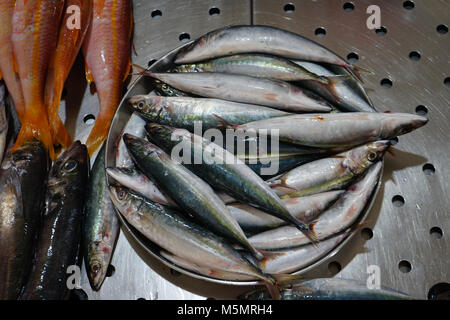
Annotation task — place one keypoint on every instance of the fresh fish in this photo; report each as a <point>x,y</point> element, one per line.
<point>256,65</point>
<point>8,64</point>
<point>338,129</point>
<point>163,89</point>
<point>107,50</point>
<point>223,170</point>
<point>206,271</point>
<point>22,190</point>
<point>338,217</point>
<point>258,39</point>
<point>181,237</point>
<point>292,260</point>
<point>68,45</point>
<point>185,112</point>
<point>136,127</point>
<point>35,25</point>
<point>3,121</point>
<point>331,289</point>
<point>303,208</point>
<point>197,198</point>
<point>60,232</point>
<point>242,88</point>
<point>347,94</point>
<point>100,226</point>
<point>335,172</point>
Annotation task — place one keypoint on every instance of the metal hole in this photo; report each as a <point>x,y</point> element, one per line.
<point>184,37</point>
<point>289,8</point>
<point>440,291</point>
<point>447,81</point>
<point>442,29</point>
<point>348,6</point>
<point>408,5</point>
<point>352,57</point>
<point>398,201</point>
<point>386,82</point>
<point>421,110</point>
<point>436,232</point>
<point>334,267</point>
<point>151,62</point>
<point>428,169</point>
<point>89,119</point>
<point>320,32</point>
<point>214,11</point>
<point>156,14</point>
<point>381,31</point>
<point>111,270</point>
<point>405,266</point>
<point>414,55</point>
<point>367,233</point>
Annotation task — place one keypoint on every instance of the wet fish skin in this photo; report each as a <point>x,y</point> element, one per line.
<point>340,216</point>
<point>335,172</point>
<point>107,52</point>
<point>100,226</point>
<point>256,65</point>
<point>242,88</point>
<point>68,45</point>
<point>330,130</point>
<point>223,170</point>
<point>60,231</point>
<point>303,208</point>
<point>183,112</point>
<point>180,236</point>
<point>197,198</point>
<point>21,204</point>
<point>7,61</point>
<point>331,289</point>
<point>3,121</point>
<point>257,39</point>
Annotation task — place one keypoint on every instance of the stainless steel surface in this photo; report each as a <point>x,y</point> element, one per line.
<point>399,233</point>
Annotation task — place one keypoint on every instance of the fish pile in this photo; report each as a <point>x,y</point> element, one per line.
<point>195,178</point>
<point>44,174</point>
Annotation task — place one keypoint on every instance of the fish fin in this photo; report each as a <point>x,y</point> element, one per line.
<point>332,80</point>
<point>127,71</point>
<point>224,123</point>
<point>89,76</point>
<point>308,231</point>
<point>284,279</point>
<point>391,151</point>
<point>282,185</point>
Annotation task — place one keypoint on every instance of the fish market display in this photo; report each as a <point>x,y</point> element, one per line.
<point>60,232</point>
<point>100,226</point>
<point>68,45</point>
<point>20,213</point>
<point>107,51</point>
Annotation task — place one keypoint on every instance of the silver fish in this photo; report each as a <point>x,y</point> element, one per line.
<point>241,88</point>
<point>338,217</point>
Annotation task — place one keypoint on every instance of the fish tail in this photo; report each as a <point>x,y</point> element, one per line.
<point>308,231</point>
<point>60,133</point>
<point>100,130</point>
<point>272,287</point>
<point>53,99</point>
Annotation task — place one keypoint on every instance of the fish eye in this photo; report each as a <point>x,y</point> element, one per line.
<point>140,105</point>
<point>121,194</point>
<point>70,165</point>
<point>96,267</point>
<point>372,156</point>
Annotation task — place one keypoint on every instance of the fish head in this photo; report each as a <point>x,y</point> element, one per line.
<point>166,133</point>
<point>121,198</point>
<point>365,156</point>
<point>124,176</point>
<point>97,263</point>
<point>187,68</point>
<point>396,124</point>
<point>139,145</point>
<point>151,106</point>
<point>166,90</point>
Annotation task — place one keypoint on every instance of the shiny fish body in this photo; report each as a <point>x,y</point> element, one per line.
<point>335,172</point>
<point>197,198</point>
<point>338,217</point>
<point>331,289</point>
<point>183,112</point>
<point>163,89</point>
<point>241,88</point>
<point>256,65</point>
<point>222,170</point>
<point>60,233</point>
<point>100,226</point>
<point>346,94</point>
<point>292,260</point>
<point>329,130</point>
<point>257,39</point>
<point>3,121</point>
<point>303,208</point>
<point>23,176</point>
<point>181,237</point>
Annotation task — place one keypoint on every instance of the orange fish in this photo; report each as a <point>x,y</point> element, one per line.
<point>8,66</point>
<point>35,26</point>
<point>77,15</point>
<point>107,51</point>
